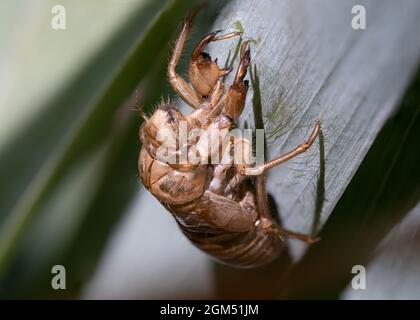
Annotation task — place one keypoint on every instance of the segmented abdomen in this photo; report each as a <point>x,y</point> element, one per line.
<point>252,248</point>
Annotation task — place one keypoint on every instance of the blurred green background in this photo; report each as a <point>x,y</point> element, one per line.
<point>69,140</point>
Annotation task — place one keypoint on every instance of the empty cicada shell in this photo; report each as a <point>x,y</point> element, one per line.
<point>217,205</point>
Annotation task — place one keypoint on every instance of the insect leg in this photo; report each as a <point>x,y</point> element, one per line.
<point>234,100</point>
<point>264,212</point>
<point>233,185</point>
<point>180,86</point>
<point>245,59</point>
<point>198,50</point>
<point>218,182</point>
<point>255,171</point>
<point>203,71</point>
<point>261,196</point>
<point>227,214</point>
<point>295,235</point>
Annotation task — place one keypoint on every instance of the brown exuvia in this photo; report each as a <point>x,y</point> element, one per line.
<point>222,208</point>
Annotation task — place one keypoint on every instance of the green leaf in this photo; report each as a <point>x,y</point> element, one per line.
<point>87,140</point>
<point>382,193</point>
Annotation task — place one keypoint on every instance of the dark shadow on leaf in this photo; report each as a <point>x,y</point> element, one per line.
<point>320,186</point>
